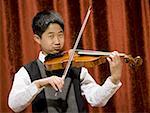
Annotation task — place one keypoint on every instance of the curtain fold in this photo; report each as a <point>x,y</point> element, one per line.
<point>122,25</point>
<point>146,35</point>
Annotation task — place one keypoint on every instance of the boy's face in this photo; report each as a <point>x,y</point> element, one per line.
<point>52,40</point>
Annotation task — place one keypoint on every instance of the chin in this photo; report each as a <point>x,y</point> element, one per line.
<point>54,52</point>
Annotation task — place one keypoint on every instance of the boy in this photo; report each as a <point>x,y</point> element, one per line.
<point>32,84</point>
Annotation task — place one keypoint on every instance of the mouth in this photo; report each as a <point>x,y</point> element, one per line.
<point>57,48</point>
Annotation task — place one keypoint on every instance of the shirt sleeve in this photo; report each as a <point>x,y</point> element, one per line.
<point>95,94</point>
<point>23,91</point>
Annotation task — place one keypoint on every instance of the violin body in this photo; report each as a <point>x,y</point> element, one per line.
<point>78,61</point>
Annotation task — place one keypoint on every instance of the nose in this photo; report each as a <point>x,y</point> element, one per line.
<point>57,41</point>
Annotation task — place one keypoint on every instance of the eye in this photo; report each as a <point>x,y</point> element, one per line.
<point>51,36</point>
<point>60,35</point>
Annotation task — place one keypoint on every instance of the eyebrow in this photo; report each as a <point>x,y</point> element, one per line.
<point>53,32</point>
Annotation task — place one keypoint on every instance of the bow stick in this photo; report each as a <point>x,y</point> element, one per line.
<point>76,43</point>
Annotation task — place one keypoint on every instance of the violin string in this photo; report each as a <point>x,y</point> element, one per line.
<point>91,52</point>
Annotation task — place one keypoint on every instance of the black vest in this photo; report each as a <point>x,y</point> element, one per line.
<point>39,104</point>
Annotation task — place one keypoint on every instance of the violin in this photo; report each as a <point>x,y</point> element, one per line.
<point>78,59</point>
<point>84,58</point>
<point>88,59</point>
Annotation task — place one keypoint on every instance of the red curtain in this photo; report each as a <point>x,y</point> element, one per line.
<point>122,25</point>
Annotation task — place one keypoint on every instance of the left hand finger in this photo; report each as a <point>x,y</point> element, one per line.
<point>115,57</point>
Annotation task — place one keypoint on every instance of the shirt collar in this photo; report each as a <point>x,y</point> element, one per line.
<point>42,57</point>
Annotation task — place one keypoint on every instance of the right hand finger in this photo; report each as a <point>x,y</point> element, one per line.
<point>57,83</point>
<point>54,86</point>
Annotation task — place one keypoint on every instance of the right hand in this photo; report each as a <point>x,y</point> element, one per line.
<point>56,82</point>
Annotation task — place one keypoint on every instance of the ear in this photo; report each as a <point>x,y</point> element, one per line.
<point>37,38</point>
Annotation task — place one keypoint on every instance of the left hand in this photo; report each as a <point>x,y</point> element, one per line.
<point>115,67</point>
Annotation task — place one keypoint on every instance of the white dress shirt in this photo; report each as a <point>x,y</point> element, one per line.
<point>24,91</point>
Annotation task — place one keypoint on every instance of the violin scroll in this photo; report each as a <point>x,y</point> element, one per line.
<point>133,62</point>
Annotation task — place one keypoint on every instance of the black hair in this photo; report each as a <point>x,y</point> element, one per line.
<point>42,20</point>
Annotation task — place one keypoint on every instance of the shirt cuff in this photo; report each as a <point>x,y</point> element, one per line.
<point>33,90</point>
<point>110,83</point>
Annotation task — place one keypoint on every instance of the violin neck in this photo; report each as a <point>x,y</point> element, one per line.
<point>96,53</point>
